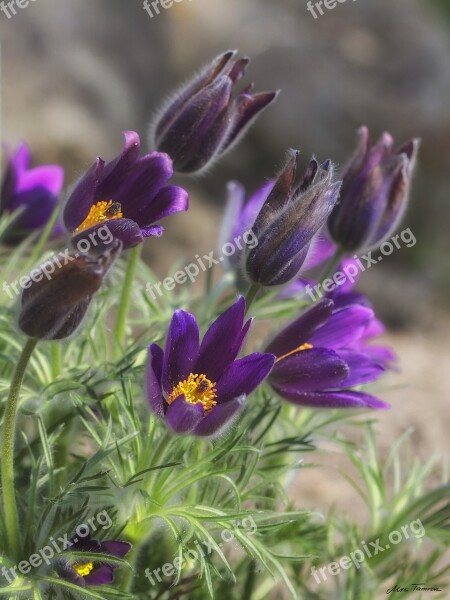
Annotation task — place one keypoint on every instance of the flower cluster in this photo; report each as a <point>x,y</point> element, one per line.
<point>322,357</point>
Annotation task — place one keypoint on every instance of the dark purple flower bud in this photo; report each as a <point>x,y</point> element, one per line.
<point>58,293</point>
<point>374,193</point>
<point>202,120</point>
<point>199,388</point>
<point>90,572</point>
<point>289,220</point>
<point>321,356</point>
<point>32,194</point>
<point>129,195</point>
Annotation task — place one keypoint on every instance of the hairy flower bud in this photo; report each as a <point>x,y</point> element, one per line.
<point>202,120</point>
<point>289,220</point>
<point>58,294</point>
<point>374,193</point>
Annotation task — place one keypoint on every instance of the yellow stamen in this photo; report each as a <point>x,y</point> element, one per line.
<point>83,569</point>
<point>299,349</point>
<point>102,211</point>
<point>196,388</point>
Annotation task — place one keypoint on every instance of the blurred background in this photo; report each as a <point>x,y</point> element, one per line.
<point>75,74</point>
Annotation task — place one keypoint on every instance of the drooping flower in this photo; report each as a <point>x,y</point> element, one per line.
<point>288,222</point>
<point>129,195</point>
<point>31,193</point>
<point>199,388</point>
<point>90,572</point>
<point>317,362</point>
<point>374,193</point>
<point>202,120</point>
<point>57,295</point>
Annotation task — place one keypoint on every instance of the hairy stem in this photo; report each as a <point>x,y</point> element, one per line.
<point>125,299</point>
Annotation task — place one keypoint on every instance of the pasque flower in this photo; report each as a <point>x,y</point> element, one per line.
<point>90,572</point>
<point>202,120</point>
<point>374,193</point>
<point>31,193</point>
<point>199,388</point>
<point>289,220</point>
<point>317,361</point>
<point>129,195</point>
<point>57,295</point>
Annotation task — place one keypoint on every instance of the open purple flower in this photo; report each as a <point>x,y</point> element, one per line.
<point>90,572</point>
<point>31,193</point>
<point>199,388</point>
<point>129,195</point>
<point>374,193</point>
<point>289,220</point>
<point>317,363</point>
<point>202,120</point>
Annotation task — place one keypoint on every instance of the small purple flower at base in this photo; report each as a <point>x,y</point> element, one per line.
<point>200,388</point>
<point>202,120</point>
<point>317,364</point>
<point>289,221</point>
<point>374,193</point>
<point>32,193</point>
<point>129,195</point>
<point>90,572</point>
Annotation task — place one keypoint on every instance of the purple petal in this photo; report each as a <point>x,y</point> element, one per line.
<point>245,109</point>
<point>66,572</point>
<point>154,376</point>
<point>82,197</point>
<point>170,200</point>
<point>309,370</point>
<point>181,349</point>
<point>342,399</point>
<point>125,230</point>
<point>220,417</point>
<point>244,376</point>
<point>117,171</point>
<point>100,576</point>
<point>342,328</point>
<point>300,331</point>
<point>49,177</point>
<point>183,417</point>
<point>321,250</point>
<point>155,231</point>
<point>21,159</point>
<point>363,369</point>
<point>222,342</point>
<point>119,549</point>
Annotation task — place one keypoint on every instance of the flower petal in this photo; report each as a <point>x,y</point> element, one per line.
<point>119,549</point>
<point>181,349</point>
<point>220,417</point>
<point>170,200</point>
<point>363,369</point>
<point>343,327</point>
<point>82,197</point>
<point>48,177</point>
<point>100,576</point>
<point>183,417</point>
<point>125,230</point>
<point>221,342</point>
<point>117,171</point>
<point>309,371</point>
<point>244,376</point>
<point>154,376</point>
<point>300,330</point>
<point>339,399</point>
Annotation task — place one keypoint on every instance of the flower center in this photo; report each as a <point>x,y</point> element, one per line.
<point>196,388</point>
<point>102,211</point>
<point>299,349</point>
<point>83,569</point>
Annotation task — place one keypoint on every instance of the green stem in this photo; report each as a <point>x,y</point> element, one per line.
<point>55,356</point>
<point>7,452</point>
<point>125,299</point>
<point>251,295</point>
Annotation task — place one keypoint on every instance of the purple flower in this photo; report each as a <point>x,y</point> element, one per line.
<point>288,222</point>
<point>129,195</point>
<point>198,388</point>
<point>90,572</point>
<point>202,120</point>
<point>317,361</point>
<point>374,193</point>
<point>32,193</point>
